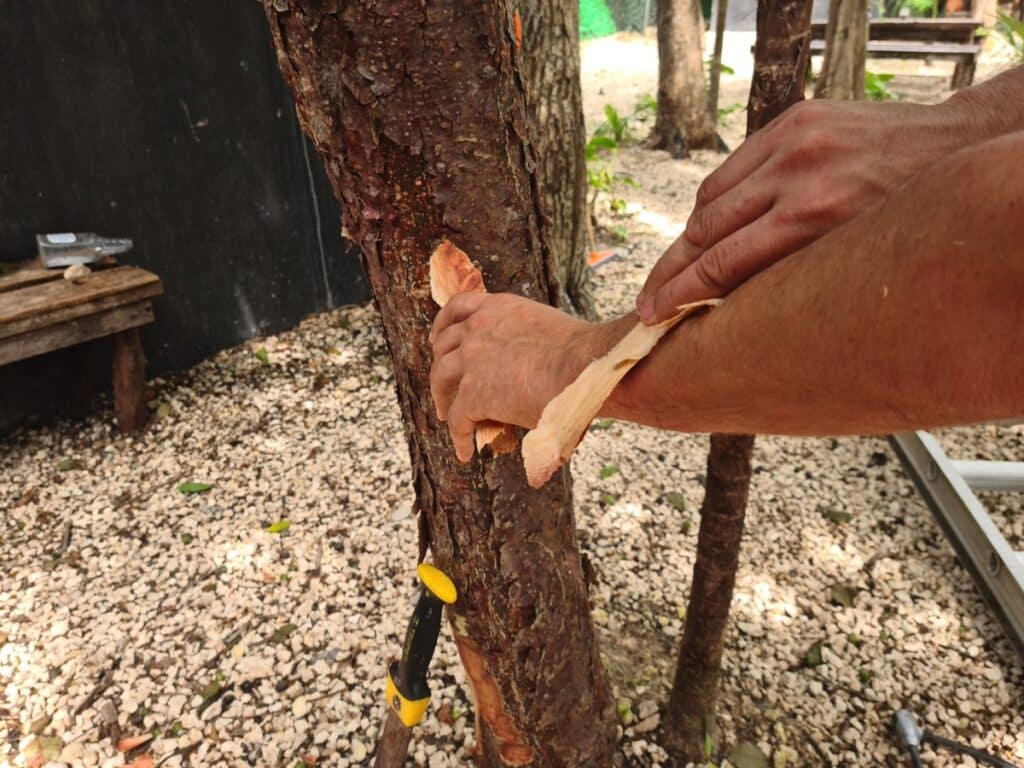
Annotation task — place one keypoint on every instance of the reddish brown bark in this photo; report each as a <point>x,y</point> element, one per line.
<point>780,64</point>
<point>419,113</point>
<point>683,121</point>
<point>551,62</point>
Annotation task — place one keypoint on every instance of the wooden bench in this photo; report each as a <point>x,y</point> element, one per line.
<point>40,312</point>
<point>954,38</point>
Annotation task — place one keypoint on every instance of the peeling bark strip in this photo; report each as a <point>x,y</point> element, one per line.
<point>419,113</point>
<point>780,64</point>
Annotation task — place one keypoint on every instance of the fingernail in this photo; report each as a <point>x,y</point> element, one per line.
<point>646,310</point>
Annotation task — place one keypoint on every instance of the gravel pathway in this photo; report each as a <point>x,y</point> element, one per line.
<point>128,606</point>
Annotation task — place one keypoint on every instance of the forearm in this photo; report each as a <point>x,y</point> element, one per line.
<point>990,109</point>
<point>911,315</point>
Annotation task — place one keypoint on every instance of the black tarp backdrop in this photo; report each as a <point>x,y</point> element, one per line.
<point>167,123</point>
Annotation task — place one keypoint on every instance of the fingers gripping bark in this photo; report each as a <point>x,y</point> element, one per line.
<point>452,273</point>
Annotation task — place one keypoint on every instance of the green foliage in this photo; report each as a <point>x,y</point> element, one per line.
<point>191,488</point>
<point>876,87</point>
<point>614,125</point>
<point>724,112</point>
<point>598,143</point>
<point>608,470</point>
<point>279,527</point>
<point>1012,30</point>
<point>927,8</point>
<point>724,68</point>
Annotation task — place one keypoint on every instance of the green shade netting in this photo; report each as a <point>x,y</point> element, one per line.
<point>595,19</point>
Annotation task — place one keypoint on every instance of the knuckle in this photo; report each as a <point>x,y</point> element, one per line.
<point>701,225</point>
<point>714,270</point>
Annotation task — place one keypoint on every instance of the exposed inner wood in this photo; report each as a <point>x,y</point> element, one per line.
<point>565,419</point>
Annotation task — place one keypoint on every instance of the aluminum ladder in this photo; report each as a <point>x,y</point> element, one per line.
<point>948,487</point>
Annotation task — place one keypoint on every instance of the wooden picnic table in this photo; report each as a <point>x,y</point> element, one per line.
<point>40,312</point>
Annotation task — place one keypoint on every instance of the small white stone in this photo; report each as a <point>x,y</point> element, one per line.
<point>300,707</point>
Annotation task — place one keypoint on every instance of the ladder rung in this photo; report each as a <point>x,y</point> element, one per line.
<point>992,475</point>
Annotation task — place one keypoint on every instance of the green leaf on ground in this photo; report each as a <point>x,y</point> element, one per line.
<point>865,675</point>
<point>193,487</point>
<point>625,712</point>
<point>66,465</point>
<point>262,356</point>
<point>854,640</point>
<point>813,656</point>
<point>187,538</point>
<point>838,517</point>
<point>283,633</point>
<point>177,729</point>
<point>708,746</point>
<point>608,470</point>
<point>747,755</point>
<point>603,424</point>
<point>280,526</point>
<point>210,690</point>
<point>609,499</point>
<point>676,500</point>
<point>842,594</point>
<point>686,527</point>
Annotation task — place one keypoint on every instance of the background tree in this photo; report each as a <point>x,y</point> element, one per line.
<point>715,75</point>
<point>846,49</point>
<point>419,113</point>
<point>684,121</point>
<point>551,63</point>
<point>780,64</point>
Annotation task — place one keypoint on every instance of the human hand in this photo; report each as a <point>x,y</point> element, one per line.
<point>501,357</point>
<point>811,169</point>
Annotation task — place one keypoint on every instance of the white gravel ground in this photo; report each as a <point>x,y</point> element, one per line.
<point>182,616</point>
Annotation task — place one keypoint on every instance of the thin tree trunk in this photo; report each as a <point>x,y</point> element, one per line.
<point>419,113</point>
<point>551,63</point>
<point>683,121</point>
<point>846,49</point>
<point>716,58</point>
<point>780,65</point>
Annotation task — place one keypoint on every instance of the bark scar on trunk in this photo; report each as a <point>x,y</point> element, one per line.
<point>489,704</point>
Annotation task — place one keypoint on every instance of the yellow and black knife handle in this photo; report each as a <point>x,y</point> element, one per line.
<point>406,690</point>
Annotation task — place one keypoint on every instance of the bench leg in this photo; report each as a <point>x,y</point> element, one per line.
<point>963,75</point>
<point>129,382</point>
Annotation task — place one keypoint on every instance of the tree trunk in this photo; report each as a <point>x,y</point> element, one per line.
<point>551,63</point>
<point>716,58</point>
<point>419,113</point>
<point>846,49</point>
<point>683,121</point>
<point>780,65</point>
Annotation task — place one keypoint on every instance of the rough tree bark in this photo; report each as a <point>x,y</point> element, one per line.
<point>780,65</point>
<point>683,121</point>
<point>551,63</point>
<point>846,50</point>
<point>715,76</point>
<point>419,114</point>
